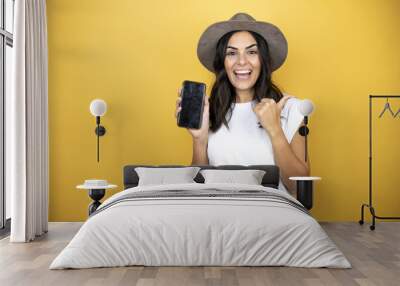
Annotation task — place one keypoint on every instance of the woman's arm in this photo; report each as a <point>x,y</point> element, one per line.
<point>200,136</point>
<point>290,158</point>
<point>199,152</point>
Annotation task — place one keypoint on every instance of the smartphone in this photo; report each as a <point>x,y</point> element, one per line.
<point>192,104</point>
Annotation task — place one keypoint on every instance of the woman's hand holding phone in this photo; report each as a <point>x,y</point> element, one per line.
<point>200,135</point>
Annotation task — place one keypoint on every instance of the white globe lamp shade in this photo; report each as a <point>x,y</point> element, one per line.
<point>98,107</point>
<point>306,107</point>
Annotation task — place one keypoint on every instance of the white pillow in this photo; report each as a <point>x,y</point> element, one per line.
<point>162,176</point>
<point>248,177</point>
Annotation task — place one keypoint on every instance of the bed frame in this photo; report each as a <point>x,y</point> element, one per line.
<point>270,179</point>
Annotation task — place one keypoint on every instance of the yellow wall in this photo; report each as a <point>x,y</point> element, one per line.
<point>135,54</point>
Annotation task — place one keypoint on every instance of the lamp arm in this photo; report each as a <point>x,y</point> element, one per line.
<point>98,145</point>
<point>303,130</point>
<point>306,148</point>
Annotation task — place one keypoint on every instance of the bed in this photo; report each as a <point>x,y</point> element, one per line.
<point>201,224</point>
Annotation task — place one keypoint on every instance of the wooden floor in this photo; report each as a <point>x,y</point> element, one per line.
<point>375,256</point>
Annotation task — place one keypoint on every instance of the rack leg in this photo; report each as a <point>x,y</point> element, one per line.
<point>361,221</point>
<point>374,216</point>
<point>372,227</point>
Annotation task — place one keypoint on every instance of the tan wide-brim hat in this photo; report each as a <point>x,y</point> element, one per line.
<point>206,48</point>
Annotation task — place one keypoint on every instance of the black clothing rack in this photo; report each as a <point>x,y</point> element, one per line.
<point>370,206</point>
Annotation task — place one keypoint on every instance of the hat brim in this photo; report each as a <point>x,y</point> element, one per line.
<point>206,48</point>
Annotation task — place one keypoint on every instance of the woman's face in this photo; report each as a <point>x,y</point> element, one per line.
<point>242,61</point>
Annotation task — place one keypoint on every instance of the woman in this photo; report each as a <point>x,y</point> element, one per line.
<point>248,120</point>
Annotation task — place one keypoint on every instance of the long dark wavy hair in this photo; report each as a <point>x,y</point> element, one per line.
<point>223,92</point>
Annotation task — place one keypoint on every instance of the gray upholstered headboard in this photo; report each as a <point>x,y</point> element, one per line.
<point>270,179</point>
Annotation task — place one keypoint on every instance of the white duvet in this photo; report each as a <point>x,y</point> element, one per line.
<point>200,231</point>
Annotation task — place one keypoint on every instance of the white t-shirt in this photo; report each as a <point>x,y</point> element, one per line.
<point>247,144</point>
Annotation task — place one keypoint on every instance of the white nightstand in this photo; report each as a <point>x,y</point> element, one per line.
<point>304,187</point>
<point>97,190</point>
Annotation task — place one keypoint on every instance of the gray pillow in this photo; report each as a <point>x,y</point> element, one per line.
<point>248,177</point>
<point>162,176</point>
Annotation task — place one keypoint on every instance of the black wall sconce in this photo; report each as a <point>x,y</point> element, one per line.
<point>304,185</point>
<point>98,108</point>
<point>305,107</point>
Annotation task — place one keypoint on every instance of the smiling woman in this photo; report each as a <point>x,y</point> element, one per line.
<point>243,72</point>
<point>248,120</point>
<point>242,64</point>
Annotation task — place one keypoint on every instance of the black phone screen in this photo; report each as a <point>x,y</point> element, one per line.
<point>192,104</point>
